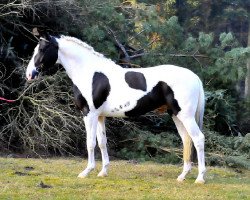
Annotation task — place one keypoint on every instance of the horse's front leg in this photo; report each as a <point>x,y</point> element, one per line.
<point>102,142</point>
<point>90,126</point>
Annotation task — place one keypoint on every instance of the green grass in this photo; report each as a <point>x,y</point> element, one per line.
<point>21,178</point>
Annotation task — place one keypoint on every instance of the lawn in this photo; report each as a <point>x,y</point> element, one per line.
<point>57,179</point>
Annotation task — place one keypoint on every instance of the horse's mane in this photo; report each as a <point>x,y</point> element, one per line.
<point>84,45</point>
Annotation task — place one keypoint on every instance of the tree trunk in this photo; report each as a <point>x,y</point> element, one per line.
<point>247,80</point>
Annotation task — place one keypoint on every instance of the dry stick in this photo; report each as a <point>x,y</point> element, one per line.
<point>119,44</point>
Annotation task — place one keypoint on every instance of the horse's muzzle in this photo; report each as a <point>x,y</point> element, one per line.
<point>32,75</point>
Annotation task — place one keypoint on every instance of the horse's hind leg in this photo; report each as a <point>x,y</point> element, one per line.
<point>198,140</point>
<point>187,145</point>
<point>102,142</point>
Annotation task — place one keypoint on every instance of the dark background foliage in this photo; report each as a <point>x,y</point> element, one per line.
<point>210,37</point>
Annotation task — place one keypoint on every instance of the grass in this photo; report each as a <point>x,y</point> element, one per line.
<point>21,179</point>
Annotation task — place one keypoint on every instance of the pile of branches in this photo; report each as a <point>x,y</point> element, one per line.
<point>43,119</point>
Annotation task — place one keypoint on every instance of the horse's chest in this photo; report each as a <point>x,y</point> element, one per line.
<point>80,101</point>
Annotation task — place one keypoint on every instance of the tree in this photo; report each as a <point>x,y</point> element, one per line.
<point>247,80</point>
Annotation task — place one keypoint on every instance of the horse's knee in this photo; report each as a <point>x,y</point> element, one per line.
<point>102,145</point>
<point>91,146</point>
<point>102,141</point>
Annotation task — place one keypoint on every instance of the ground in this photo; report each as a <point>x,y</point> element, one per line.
<point>25,178</point>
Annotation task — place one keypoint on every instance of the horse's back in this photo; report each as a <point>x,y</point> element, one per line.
<point>170,73</point>
<point>182,81</point>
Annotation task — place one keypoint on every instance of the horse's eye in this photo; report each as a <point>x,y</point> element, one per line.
<point>39,68</point>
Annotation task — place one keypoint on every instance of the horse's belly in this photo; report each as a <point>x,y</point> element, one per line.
<point>133,108</point>
<point>118,109</point>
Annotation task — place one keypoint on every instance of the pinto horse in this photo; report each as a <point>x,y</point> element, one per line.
<point>104,89</point>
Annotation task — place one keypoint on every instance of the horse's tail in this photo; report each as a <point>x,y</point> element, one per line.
<point>200,106</point>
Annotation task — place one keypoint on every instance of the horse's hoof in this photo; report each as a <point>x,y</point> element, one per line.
<point>199,181</point>
<point>82,175</point>
<point>180,179</point>
<point>102,174</point>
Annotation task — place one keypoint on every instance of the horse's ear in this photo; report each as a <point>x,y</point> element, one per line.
<point>35,32</point>
<point>40,33</point>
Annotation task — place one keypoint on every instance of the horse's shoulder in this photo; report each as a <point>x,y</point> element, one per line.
<point>100,88</point>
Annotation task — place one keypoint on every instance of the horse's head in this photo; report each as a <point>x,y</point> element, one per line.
<point>44,57</point>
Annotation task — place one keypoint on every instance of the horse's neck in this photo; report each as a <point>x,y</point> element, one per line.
<point>81,62</point>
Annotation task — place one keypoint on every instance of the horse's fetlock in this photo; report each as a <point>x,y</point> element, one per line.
<point>106,164</point>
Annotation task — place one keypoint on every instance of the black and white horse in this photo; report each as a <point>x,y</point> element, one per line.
<point>105,89</point>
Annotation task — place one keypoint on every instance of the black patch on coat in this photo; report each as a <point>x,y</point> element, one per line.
<point>136,80</point>
<point>160,95</point>
<point>100,89</point>
<point>47,54</point>
<point>80,101</point>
